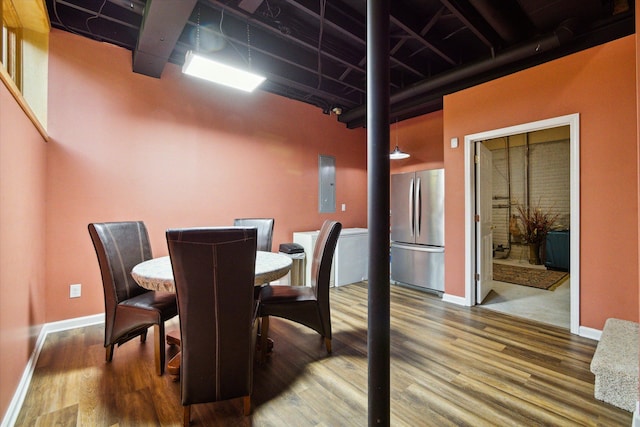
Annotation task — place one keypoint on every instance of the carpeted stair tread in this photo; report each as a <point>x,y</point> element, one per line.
<point>615,364</point>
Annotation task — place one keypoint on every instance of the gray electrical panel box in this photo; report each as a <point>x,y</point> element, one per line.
<point>327,184</point>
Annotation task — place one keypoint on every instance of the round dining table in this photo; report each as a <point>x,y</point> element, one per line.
<point>156,274</point>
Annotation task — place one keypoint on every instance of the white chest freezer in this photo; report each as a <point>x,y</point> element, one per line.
<point>350,261</point>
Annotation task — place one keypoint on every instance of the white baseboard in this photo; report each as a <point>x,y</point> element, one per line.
<point>585,332</point>
<point>636,416</point>
<point>13,410</point>
<point>454,299</point>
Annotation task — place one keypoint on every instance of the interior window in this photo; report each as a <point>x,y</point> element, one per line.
<point>11,44</point>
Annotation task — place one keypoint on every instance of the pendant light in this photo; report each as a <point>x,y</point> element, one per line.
<point>398,154</point>
<point>200,66</point>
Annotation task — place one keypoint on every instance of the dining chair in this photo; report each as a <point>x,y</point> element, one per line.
<point>307,305</point>
<point>129,308</point>
<point>265,230</point>
<point>214,271</point>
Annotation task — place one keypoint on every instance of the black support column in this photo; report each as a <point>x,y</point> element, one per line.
<point>378,209</point>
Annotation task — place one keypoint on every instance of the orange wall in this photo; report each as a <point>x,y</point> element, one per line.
<point>600,85</point>
<point>22,249</point>
<point>176,152</point>
<point>421,137</point>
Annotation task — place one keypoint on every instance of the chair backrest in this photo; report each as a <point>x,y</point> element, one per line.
<point>214,271</point>
<point>119,247</point>
<point>323,252</point>
<point>265,230</point>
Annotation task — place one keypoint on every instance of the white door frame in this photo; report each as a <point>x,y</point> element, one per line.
<point>573,121</point>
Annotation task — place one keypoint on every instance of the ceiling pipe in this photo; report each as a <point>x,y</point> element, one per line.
<point>428,86</point>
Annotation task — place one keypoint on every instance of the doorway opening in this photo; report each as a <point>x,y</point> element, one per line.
<point>483,248</point>
<point>530,196</point>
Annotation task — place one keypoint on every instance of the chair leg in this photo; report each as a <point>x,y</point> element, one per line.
<point>173,340</point>
<point>109,353</point>
<point>158,331</point>
<point>143,337</point>
<point>264,335</point>
<point>186,416</point>
<point>327,343</point>
<point>247,405</point>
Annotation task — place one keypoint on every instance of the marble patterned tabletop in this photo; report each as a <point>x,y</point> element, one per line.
<point>156,274</point>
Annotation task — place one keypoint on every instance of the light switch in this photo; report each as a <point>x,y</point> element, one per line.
<point>454,142</point>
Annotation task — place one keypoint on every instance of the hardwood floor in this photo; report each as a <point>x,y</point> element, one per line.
<point>450,366</point>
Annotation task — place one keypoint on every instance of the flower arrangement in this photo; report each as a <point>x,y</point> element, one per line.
<point>536,223</point>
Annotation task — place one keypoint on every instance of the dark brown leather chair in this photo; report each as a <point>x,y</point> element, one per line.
<point>129,308</point>
<point>307,305</point>
<point>265,230</point>
<point>214,272</point>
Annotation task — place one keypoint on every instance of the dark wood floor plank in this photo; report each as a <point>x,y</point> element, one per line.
<point>450,366</point>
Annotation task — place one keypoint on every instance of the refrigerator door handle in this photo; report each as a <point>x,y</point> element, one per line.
<point>419,248</point>
<point>418,206</point>
<point>411,213</point>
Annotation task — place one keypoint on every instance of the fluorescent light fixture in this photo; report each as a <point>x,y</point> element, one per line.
<point>397,154</point>
<point>198,66</point>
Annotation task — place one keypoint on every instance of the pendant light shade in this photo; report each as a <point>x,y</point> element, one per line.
<point>198,66</point>
<point>398,154</point>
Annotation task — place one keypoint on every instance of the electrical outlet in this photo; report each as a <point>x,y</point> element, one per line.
<point>344,207</point>
<point>75,290</point>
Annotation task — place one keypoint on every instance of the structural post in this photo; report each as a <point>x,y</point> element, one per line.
<point>378,209</point>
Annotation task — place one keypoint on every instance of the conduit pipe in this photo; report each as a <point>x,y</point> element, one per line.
<point>428,86</point>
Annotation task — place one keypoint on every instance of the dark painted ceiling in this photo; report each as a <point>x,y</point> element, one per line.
<point>314,51</point>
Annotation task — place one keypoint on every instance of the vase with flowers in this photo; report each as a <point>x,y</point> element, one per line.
<point>536,223</point>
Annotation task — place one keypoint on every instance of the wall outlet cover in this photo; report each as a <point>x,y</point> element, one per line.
<point>75,291</point>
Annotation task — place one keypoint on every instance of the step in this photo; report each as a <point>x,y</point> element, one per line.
<point>615,364</point>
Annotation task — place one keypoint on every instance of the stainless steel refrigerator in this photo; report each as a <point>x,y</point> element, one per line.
<point>417,229</point>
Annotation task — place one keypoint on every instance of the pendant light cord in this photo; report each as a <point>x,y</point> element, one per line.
<point>198,31</point>
<point>249,45</point>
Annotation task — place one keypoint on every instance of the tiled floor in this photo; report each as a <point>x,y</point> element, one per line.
<point>552,307</point>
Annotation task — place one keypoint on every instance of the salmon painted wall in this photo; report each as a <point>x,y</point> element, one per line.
<point>422,138</point>
<point>22,237</point>
<point>176,152</point>
<point>599,84</point>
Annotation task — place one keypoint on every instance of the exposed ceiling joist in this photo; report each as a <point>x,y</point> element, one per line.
<point>315,51</point>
